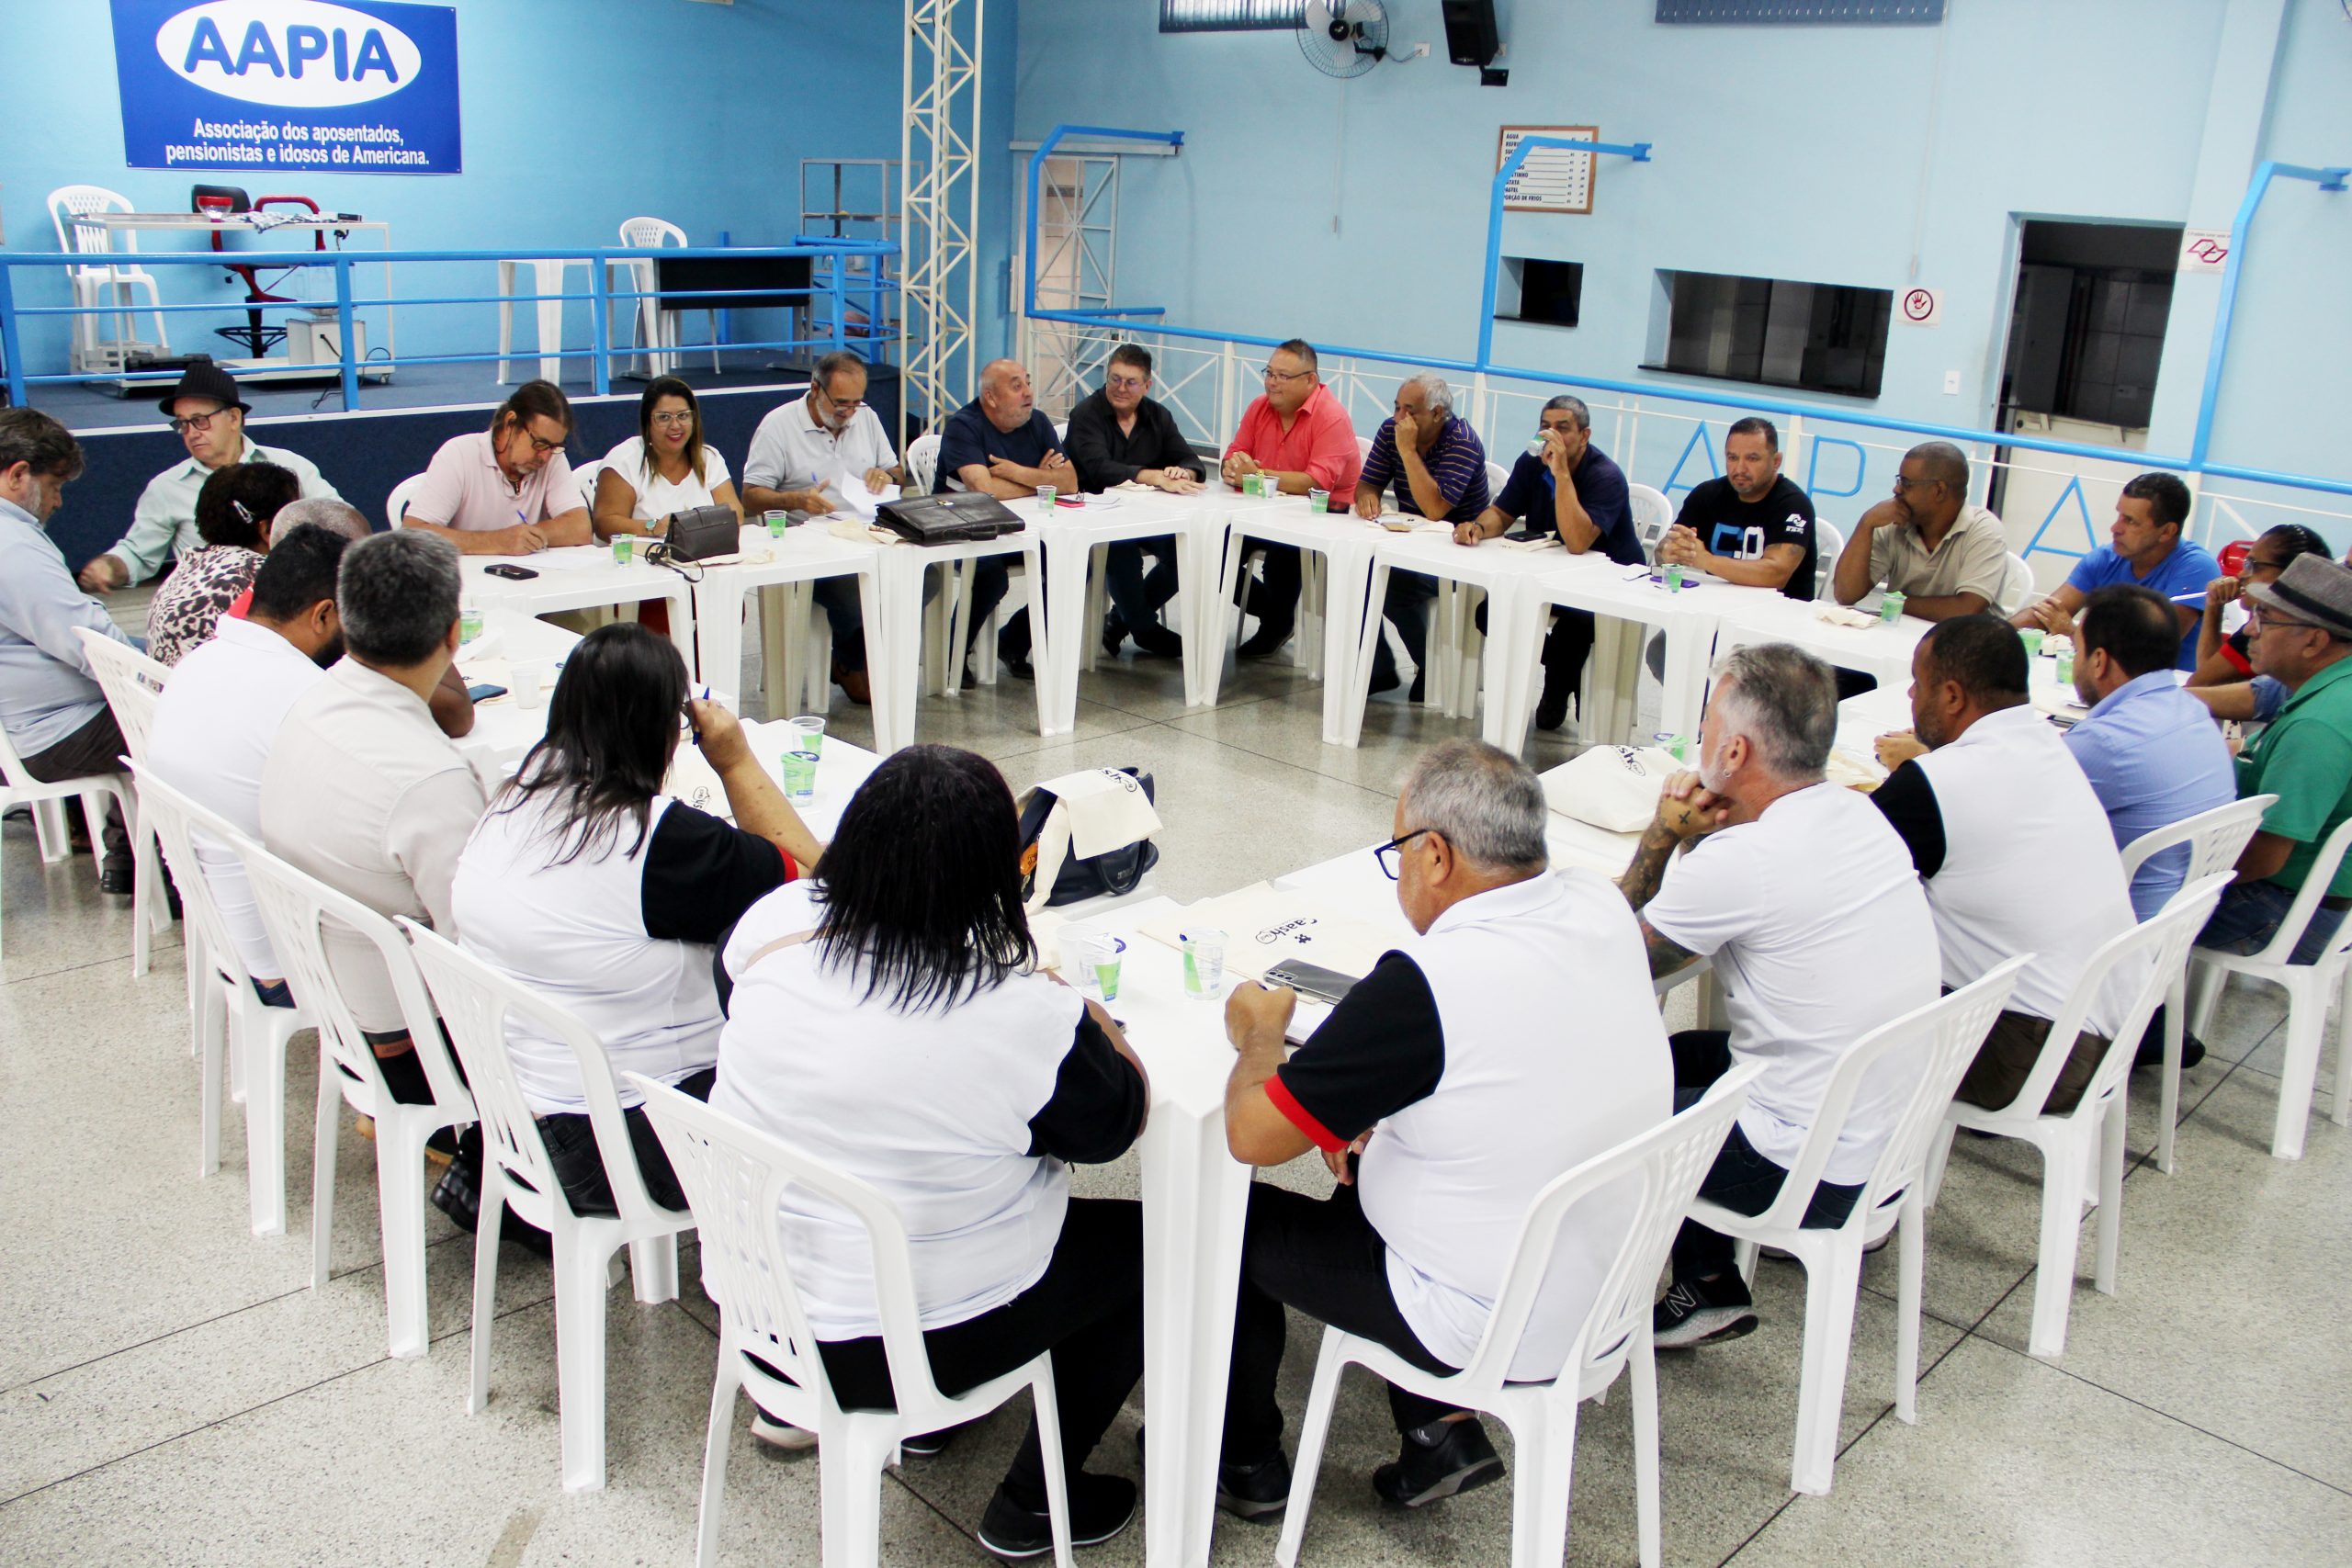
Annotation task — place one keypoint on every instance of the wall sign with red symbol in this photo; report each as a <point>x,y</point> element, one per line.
<point>1921,307</point>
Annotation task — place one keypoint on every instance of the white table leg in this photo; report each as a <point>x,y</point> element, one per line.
<point>1196,1199</point>
<point>891,598</point>
<point>550,320</point>
<point>1063,637</point>
<point>1501,674</point>
<point>717,657</point>
<point>1348,641</point>
<point>506,316</point>
<point>1686,675</point>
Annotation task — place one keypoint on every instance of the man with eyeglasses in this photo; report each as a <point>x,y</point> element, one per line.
<point>1296,432</point>
<point>2225,680</point>
<point>507,491</point>
<point>1512,1038</point>
<point>209,416</point>
<point>1120,435</point>
<point>1946,556</point>
<point>801,456</point>
<point>2302,635</point>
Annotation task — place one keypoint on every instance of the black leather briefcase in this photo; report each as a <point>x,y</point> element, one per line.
<point>952,518</point>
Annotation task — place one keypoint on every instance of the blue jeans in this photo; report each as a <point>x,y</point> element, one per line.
<point>273,993</point>
<point>2249,917</point>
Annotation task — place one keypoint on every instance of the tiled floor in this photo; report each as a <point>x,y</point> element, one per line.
<point>170,1391</point>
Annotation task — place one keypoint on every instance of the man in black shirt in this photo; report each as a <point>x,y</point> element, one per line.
<point>999,445</point>
<point>1751,526</point>
<point>1120,435</point>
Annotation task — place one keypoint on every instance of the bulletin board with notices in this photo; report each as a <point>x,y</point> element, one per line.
<point>1553,179</point>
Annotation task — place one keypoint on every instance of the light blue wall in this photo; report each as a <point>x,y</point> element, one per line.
<point>577,114</point>
<point>1354,212</point>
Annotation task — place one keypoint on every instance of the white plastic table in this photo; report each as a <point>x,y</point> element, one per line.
<point>583,577</point>
<point>503,728</point>
<point>1594,583</point>
<point>806,554</point>
<point>1746,615</point>
<point>894,647</point>
<point>1342,543</point>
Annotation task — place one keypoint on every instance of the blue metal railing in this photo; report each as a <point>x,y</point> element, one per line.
<point>2198,460</point>
<point>830,280</point>
<point>1639,151</point>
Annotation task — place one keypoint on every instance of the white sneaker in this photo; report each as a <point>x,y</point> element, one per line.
<point>782,1434</point>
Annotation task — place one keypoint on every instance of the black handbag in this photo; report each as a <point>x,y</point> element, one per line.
<point>952,517</point>
<point>701,532</point>
<point>1071,879</point>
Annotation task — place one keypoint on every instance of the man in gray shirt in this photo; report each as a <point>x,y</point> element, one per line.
<point>55,717</point>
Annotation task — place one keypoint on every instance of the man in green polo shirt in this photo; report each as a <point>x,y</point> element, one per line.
<point>2302,634</point>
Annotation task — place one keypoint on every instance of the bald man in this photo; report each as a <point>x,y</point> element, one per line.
<point>1000,444</point>
<point>1944,553</point>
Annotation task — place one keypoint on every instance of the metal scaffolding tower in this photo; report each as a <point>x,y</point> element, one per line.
<point>940,203</point>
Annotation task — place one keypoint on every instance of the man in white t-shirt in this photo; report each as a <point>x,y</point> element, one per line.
<point>1513,1039</point>
<point>800,454</point>
<point>1806,902</point>
<point>2013,847</point>
<point>218,718</point>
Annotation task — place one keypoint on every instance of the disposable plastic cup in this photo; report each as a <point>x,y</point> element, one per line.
<point>1318,501</point>
<point>2032,640</point>
<point>1091,962</point>
<point>469,623</point>
<point>1203,963</point>
<point>777,522</point>
<point>529,678</point>
<point>1890,609</point>
<point>624,548</point>
<point>812,733</point>
<point>799,776</point>
<point>1045,494</point>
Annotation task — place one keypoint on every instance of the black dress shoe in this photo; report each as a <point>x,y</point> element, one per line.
<point>1438,1461</point>
<point>1263,642</point>
<point>1552,712</point>
<point>1115,635</point>
<point>1100,1508</point>
<point>1158,642</point>
<point>1253,1491</point>
<point>116,880</point>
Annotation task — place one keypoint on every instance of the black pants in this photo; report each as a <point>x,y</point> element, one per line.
<point>1323,1257</point>
<point>1135,595</point>
<point>572,1149</point>
<point>838,597</point>
<point>1566,647</point>
<point>97,748</point>
<point>1741,1179</point>
<point>1407,604</point>
<point>1275,600</point>
<point>1087,1309</point>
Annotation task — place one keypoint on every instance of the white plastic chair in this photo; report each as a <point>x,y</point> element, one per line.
<point>1666,1165</point>
<point>475,1001</point>
<point>1497,476</point>
<point>1653,515</point>
<point>396,503</point>
<point>1947,1033</point>
<point>231,1018</point>
<point>657,326</point>
<point>1828,544</point>
<point>70,208</point>
<point>293,905</point>
<point>735,1176</point>
<point>1363,448</point>
<point>18,788</point>
<point>2017,585</point>
<point>2215,838</point>
<point>2308,988</point>
<point>922,463</point>
<point>2091,1134</point>
<point>132,681</point>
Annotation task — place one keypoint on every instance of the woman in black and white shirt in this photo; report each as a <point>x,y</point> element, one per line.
<point>886,1019</point>
<point>588,885</point>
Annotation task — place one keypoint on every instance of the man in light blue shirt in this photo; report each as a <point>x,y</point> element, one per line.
<point>2149,550</point>
<point>55,717</point>
<point>2152,751</point>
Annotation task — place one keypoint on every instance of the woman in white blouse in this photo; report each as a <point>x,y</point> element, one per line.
<point>663,468</point>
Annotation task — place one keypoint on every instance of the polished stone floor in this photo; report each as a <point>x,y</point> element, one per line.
<point>172,1392</point>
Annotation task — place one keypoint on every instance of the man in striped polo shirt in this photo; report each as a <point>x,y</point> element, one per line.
<point>1439,467</point>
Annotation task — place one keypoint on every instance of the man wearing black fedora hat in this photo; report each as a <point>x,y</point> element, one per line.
<point>207,413</point>
<point>2302,636</point>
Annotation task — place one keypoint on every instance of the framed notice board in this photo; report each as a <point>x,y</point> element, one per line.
<point>1552,179</point>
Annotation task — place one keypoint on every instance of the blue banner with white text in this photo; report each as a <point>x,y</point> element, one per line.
<point>347,87</point>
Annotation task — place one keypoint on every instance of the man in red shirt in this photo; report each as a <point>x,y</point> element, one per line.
<point>1297,432</point>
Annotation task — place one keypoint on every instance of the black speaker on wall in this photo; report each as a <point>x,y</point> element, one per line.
<point>1470,35</point>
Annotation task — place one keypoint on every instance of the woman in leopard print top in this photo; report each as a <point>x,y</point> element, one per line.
<point>233,512</point>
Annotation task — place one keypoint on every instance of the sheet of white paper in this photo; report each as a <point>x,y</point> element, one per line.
<point>861,501</point>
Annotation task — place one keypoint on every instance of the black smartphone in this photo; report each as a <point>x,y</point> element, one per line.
<point>1311,980</point>
<point>511,572</point>
<point>484,692</point>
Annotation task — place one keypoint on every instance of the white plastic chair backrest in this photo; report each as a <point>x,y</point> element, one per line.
<point>176,818</point>
<point>1497,477</point>
<point>2017,585</point>
<point>293,905</point>
<point>735,1176</point>
<point>1667,1161</point>
<point>651,233</point>
<point>1653,515</point>
<point>131,681</point>
<point>68,203</point>
<point>923,461</point>
<point>1947,1033</point>
<point>2215,838</point>
<point>584,476</point>
<point>2332,850</point>
<point>396,503</point>
<point>1363,448</point>
<point>2151,953</point>
<point>1828,544</point>
<point>475,1000</point>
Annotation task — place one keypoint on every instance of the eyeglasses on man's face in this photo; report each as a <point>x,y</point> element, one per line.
<point>182,425</point>
<point>1391,855</point>
<point>1284,377</point>
<point>1128,383</point>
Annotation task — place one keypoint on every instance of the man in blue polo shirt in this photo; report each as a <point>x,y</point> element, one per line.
<point>1439,467</point>
<point>1569,488</point>
<point>2148,549</point>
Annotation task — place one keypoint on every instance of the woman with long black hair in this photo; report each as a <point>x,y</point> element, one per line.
<point>886,1019</point>
<point>588,884</point>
